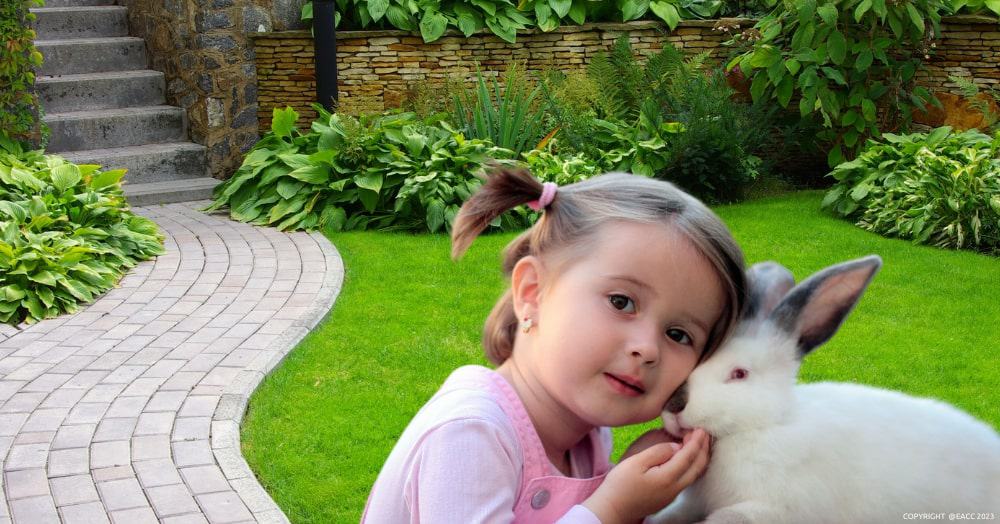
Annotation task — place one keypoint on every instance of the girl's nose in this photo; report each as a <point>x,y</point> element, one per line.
<point>645,348</point>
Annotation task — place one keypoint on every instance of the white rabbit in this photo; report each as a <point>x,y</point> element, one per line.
<point>824,452</point>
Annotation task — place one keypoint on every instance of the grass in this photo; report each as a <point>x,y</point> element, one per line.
<point>319,428</point>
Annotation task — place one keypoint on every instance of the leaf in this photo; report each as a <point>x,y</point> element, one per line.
<point>283,121</point>
<point>578,13</point>
<point>377,8</point>
<point>864,60</point>
<point>862,8</point>
<point>106,179</point>
<point>632,9</point>
<point>835,75</point>
<point>784,91</point>
<point>432,26</point>
<point>868,110</point>
<point>666,11</point>
<point>837,47</point>
<point>65,176</point>
<point>561,7</point>
<point>915,16</point>
<point>369,181</point>
<point>828,12</point>
<point>400,18</point>
<point>435,215</point>
<point>311,174</point>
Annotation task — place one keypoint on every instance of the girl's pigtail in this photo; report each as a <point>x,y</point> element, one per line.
<point>504,189</point>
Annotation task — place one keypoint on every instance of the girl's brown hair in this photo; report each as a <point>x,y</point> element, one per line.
<point>575,216</point>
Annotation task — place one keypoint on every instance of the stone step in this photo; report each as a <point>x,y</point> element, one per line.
<point>77,3</point>
<point>109,90</point>
<point>58,23</point>
<point>148,163</point>
<point>91,55</point>
<point>170,192</point>
<point>109,128</point>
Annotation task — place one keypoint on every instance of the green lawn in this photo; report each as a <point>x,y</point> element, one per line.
<point>319,428</point>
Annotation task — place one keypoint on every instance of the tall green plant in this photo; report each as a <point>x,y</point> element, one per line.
<point>844,59</point>
<point>511,118</point>
<point>19,107</point>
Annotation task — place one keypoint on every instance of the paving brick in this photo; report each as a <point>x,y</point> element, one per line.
<point>110,454</point>
<point>223,507</point>
<point>34,510</point>
<point>74,436</point>
<point>122,494</point>
<point>69,462</point>
<point>150,447</point>
<point>171,500</point>
<point>26,483</point>
<point>74,489</point>
<point>156,472</point>
<point>90,513</point>
<point>143,515</point>
<point>205,479</point>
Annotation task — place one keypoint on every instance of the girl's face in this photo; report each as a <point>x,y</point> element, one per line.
<point>619,329</point>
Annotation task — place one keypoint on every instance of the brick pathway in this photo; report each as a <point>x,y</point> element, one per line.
<point>128,411</point>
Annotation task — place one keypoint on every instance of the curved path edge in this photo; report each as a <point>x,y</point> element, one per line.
<point>129,410</point>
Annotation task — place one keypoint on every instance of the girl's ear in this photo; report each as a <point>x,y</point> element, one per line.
<point>526,286</point>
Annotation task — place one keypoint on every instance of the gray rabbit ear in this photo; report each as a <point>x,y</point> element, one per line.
<point>815,309</point>
<point>767,284</point>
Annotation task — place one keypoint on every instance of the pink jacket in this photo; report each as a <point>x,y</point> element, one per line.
<point>471,455</point>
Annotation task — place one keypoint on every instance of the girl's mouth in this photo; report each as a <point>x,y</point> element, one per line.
<point>622,386</point>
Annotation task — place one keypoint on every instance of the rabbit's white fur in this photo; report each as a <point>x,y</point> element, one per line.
<point>824,452</point>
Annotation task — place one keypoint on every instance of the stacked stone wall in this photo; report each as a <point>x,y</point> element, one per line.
<point>203,50</point>
<point>377,68</point>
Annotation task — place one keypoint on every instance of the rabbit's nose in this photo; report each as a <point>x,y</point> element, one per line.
<point>678,400</point>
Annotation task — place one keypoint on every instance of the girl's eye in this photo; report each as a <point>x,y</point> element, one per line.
<point>679,336</point>
<point>621,302</point>
<point>738,374</point>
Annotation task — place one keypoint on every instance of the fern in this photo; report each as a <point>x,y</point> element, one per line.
<point>970,91</point>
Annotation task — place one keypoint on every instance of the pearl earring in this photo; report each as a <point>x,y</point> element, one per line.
<point>526,325</point>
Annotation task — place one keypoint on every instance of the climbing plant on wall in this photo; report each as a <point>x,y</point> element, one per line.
<point>19,109</point>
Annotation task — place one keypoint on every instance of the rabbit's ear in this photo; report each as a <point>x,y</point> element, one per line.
<point>814,309</point>
<point>767,284</point>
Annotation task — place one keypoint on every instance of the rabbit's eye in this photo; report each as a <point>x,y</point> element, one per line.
<point>738,374</point>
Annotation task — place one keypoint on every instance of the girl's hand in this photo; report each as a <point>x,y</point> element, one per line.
<point>649,480</point>
<point>647,439</point>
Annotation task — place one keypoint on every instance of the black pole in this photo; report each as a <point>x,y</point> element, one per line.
<point>325,42</point>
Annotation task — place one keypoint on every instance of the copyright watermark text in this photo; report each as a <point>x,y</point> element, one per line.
<point>950,516</point>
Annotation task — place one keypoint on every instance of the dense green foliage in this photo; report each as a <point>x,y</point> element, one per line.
<point>844,59</point>
<point>19,107</point>
<point>669,116</point>
<point>391,171</point>
<point>941,188</point>
<point>504,17</point>
<point>66,234</point>
<point>407,316</point>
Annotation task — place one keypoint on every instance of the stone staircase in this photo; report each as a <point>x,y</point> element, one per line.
<point>105,107</point>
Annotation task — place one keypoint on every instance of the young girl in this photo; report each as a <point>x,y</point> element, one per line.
<point>623,285</point>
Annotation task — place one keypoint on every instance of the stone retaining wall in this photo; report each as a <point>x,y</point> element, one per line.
<point>203,50</point>
<point>377,67</point>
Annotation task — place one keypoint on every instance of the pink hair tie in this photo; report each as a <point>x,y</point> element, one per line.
<point>548,193</point>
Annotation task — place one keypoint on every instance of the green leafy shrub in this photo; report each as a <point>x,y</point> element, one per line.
<point>390,171</point>
<point>19,107</point>
<point>66,234</point>
<point>844,59</point>
<point>940,188</point>
<point>504,18</point>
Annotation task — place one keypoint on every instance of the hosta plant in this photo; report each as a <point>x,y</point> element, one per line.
<point>940,188</point>
<point>390,171</point>
<point>66,234</point>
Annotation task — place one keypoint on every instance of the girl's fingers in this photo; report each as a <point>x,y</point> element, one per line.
<point>697,468</point>
<point>680,462</point>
